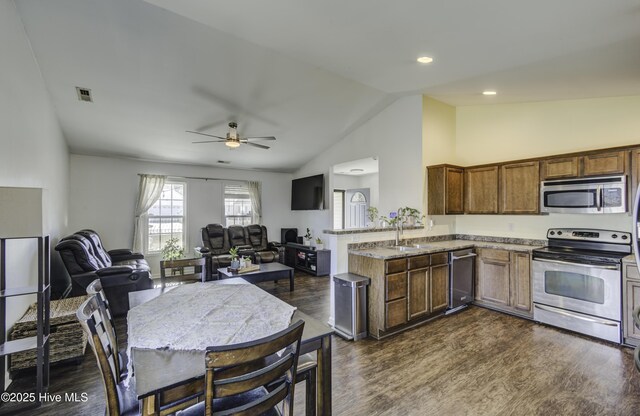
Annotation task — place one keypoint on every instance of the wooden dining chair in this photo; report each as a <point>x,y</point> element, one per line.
<point>179,265</point>
<point>251,378</point>
<point>307,372</point>
<point>95,288</point>
<point>121,400</point>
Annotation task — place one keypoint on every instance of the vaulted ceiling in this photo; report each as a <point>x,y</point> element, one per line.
<point>308,72</point>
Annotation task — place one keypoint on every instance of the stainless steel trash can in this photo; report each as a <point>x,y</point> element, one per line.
<point>350,314</point>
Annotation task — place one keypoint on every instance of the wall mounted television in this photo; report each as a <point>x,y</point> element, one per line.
<point>307,193</point>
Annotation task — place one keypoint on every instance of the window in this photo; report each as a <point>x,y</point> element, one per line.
<point>166,217</point>
<point>237,204</point>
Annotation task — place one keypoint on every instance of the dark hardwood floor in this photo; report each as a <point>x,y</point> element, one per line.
<point>477,362</point>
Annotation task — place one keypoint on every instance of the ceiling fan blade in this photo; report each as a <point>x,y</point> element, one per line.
<point>261,146</point>
<point>210,141</point>
<point>261,138</point>
<point>205,134</point>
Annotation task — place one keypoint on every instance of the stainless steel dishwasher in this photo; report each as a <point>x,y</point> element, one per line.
<point>461,279</point>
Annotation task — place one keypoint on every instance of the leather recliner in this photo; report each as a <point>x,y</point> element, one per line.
<point>217,241</point>
<point>120,271</point>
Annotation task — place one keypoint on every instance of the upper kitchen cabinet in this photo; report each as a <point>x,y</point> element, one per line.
<point>445,190</point>
<point>608,163</point>
<point>560,167</point>
<point>481,190</point>
<point>520,188</point>
<point>589,164</point>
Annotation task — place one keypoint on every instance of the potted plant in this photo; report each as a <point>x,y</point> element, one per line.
<point>319,244</point>
<point>307,238</point>
<point>410,216</point>
<point>235,262</point>
<point>372,214</point>
<point>172,250</point>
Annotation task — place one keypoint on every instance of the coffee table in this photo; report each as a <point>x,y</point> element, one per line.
<point>268,271</point>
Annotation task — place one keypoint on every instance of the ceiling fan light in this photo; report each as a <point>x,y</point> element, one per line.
<point>232,144</point>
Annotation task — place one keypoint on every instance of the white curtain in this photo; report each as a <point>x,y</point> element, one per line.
<point>256,203</point>
<point>149,192</point>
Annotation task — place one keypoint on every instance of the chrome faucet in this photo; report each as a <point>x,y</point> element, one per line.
<point>398,228</point>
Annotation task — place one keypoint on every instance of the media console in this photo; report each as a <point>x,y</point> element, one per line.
<point>307,259</point>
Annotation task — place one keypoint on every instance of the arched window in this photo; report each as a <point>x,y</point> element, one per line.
<point>358,197</point>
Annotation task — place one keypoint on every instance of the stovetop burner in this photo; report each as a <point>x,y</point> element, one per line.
<point>589,246</point>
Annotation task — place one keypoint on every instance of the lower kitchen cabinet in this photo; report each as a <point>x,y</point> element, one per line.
<point>403,291</point>
<point>503,280</point>
<point>630,301</point>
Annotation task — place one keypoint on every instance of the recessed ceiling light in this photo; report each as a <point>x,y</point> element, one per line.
<point>489,93</point>
<point>425,59</point>
<point>356,170</point>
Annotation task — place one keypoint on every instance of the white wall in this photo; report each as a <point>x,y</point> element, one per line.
<point>34,152</point>
<point>502,132</point>
<point>393,136</point>
<point>104,192</point>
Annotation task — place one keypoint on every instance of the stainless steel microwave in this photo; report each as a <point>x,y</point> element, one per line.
<point>601,195</point>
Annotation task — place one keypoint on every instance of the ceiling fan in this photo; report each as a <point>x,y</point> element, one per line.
<point>233,140</point>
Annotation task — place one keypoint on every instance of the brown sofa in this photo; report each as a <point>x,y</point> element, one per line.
<point>251,240</point>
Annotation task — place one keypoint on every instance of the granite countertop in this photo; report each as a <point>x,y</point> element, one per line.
<point>390,252</point>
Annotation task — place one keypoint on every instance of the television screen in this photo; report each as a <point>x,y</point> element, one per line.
<point>307,193</point>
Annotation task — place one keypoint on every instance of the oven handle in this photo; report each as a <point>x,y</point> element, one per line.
<point>597,266</point>
<point>584,318</point>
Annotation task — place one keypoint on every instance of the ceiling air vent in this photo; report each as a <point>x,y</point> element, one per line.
<point>224,162</point>
<point>84,94</point>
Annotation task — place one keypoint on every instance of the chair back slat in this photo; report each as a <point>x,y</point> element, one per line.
<point>95,288</point>
<point>180,265</point>
<point>93,323</point>
<point>239,368</point>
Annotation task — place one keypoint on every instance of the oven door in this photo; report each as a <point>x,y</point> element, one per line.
<point>589,289</point>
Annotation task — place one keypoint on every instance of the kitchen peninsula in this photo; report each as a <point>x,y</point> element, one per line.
<point>410,283</point>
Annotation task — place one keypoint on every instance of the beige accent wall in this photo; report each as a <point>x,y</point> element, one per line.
<point>501,132</point>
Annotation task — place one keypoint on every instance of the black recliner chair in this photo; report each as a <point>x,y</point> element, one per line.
<point>264,250</point>
<point>120,271</point>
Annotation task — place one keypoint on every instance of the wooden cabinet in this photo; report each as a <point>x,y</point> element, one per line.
<point>560,167</point>
<point>493,271</point>
<point>503,280</point>
<point>607,163</point>
<point>445,190</point>
<point>403,291</point>
<point>589,164</point>
<point>634,177</point>
<point>481,190</point>
<point>520,281</point>
<point>520,188</point>
<point>630,301</point>
<point>438,287</point>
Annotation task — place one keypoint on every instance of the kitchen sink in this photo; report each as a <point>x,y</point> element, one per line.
<point>405,248</point>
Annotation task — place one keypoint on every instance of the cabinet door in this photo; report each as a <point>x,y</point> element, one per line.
<point>396,313</point>
<point>418,292</point>
<point>492,283</point>
<point>521,281</point>
<point>631,302</point>
<point>635,175</point>
<point>560,167</point>
<point>445,190</point>
<point>454,195</point>
<point>481,190</point>
<point>439,287</point>
<point>395,286</point>
<point>610,163</point>
<point>520,188</point>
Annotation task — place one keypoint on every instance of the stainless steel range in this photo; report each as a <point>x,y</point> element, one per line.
<point>577,281</point>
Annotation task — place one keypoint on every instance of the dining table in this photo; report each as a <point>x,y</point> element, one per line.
<point>169,329</point>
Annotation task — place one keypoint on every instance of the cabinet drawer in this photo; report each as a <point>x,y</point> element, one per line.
<point>395,313</point>
<point>493,254</point>
<point>418,262</point>
<point>439,258</point>
<point>631,272</point>
<point>395,286</point>
<point>395,266</point>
